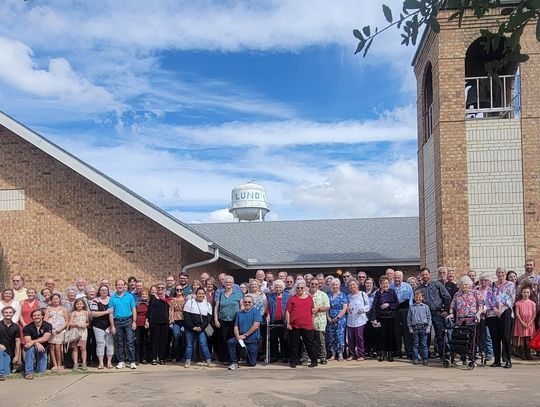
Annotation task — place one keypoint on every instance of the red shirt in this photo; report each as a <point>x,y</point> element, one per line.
<point>279,317</point>
<point>300,311</point>
<point>142,309</point>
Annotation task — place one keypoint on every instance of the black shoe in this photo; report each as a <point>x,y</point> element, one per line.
<point>313,364</point>
<point>273,360</point>
<point>390,357</point>
<point>161,362</point>
<point>381,357</point>
<point>495,364</point>
<point>508,365</point>
<point>292,364</point>
<point>324,361</point>
<point>154,362</point>
<point>144,362</point>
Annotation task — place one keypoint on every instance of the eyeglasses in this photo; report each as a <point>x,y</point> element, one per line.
<point>289,282</point>
<point>161,288</point>
<point>314,284</point>
<point>248,302</point>
<point>299,288</point>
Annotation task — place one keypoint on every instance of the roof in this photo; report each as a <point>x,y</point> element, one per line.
<point>319,243</point>
<point>118,190</point>
<point>277,244</point>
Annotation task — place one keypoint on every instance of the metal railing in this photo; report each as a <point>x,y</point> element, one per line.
<point>492,97</point>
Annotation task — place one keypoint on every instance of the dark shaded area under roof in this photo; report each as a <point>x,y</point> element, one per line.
<point>368,241</point>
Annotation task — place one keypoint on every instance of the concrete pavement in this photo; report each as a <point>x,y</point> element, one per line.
<point>338,384</point>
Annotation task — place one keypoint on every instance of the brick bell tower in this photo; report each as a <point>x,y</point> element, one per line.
<point>478,150</point>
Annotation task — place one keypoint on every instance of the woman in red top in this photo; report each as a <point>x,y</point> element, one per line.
<point>142,343</point>
<point>299,316</point>
<point>27,307</point>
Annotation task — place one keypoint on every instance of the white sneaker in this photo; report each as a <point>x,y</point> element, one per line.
<point>133,365</point>
<point>187,363</point>
<point>233,366</point>
<point>120,365</point>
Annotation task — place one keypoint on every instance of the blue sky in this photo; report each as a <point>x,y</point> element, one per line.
<point>181,101</point>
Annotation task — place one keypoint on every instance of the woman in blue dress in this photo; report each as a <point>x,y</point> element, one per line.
<point>337,322</point>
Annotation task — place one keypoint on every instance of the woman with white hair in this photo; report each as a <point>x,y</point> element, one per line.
<point>467,305</point>
<point>277,304</point>
<point>337,321</point>
<point>228,304</point>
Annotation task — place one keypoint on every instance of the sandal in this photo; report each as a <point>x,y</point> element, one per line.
<point>28,377</point>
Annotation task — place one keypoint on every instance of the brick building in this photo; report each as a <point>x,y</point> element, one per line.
<point>61,218</point>
<point>478,148</point>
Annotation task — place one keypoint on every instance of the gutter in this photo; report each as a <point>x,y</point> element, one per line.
<point>202,263</point>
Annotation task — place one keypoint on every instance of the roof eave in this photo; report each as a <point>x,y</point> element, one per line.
<point>350,263</point>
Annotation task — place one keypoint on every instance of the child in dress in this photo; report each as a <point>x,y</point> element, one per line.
<point>79,319</point>
<point>524,324</point>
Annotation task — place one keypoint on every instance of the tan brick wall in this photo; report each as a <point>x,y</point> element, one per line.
<point>446,52</point>
<point>70,227</point>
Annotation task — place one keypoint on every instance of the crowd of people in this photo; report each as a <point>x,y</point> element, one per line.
<point>307,319</point>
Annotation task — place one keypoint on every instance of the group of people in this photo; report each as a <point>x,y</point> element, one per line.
<point>307,319</point>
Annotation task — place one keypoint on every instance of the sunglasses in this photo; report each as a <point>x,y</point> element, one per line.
<point>15,281</point>
<point>179,289</point>
<point>299,288</point>
<point>248,302</point>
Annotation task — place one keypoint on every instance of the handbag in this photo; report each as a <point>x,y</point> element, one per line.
<point>209,331</point>
<point>535,342</point>
<point>71,335</point>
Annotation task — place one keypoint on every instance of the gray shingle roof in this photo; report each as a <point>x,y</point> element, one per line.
<point>369,241</point>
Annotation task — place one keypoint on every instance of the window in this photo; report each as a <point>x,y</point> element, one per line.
<point>11,199</point>
<point>428,103</point>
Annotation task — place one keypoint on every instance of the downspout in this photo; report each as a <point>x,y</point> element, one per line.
<point>202,263</point>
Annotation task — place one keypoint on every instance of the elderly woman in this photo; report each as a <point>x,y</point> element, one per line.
<point>413,282</point>
<point>467,305</point>
<point>383,313</point>
<point>370,333</point>
<point>299,317</point>
<point>8,300</point>
<point>277,303</point>
<point>227,305</point>
<point>71,296</point>
<point>484,338</point>
<point>500,302</point>
<point>260,301</point>
<point>337,322</point>
<point>359,306</point>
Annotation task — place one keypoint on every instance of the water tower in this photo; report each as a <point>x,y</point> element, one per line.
<point>248,202</point>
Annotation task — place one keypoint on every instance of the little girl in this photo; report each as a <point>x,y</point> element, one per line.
<point>79,319</point>
<point>524,325</point>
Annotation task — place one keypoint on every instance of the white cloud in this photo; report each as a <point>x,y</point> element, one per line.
<point>58,81</point>
<point>348,191</point>
<point>391,125</point>
<point>202,25</point>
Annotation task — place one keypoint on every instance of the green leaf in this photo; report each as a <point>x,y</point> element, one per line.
<point>360,46</point>
<point>367,30</point>
<point>358,34</point>
<point>367,47</point>
<point>533,4</point>
<point>387,13</point>
<point>434,24</point>
<point>538,30</point>
<point>412,4</point>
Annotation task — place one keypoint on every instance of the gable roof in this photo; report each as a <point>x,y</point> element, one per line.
<point>108,184</point>
<point>319,243</point>
<point>275,244</point>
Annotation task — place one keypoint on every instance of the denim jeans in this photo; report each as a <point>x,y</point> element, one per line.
<point>34,357</point>
<point>420,347</point>
<point>125,341</point>
<point>438,325</point>
<point>251,350</point>
<point>177,332</point>
<point>5,363</point>
<point>190,338</point>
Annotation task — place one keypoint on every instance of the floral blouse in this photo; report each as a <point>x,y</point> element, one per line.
<point>502,297</point>
<point>466,306</point>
